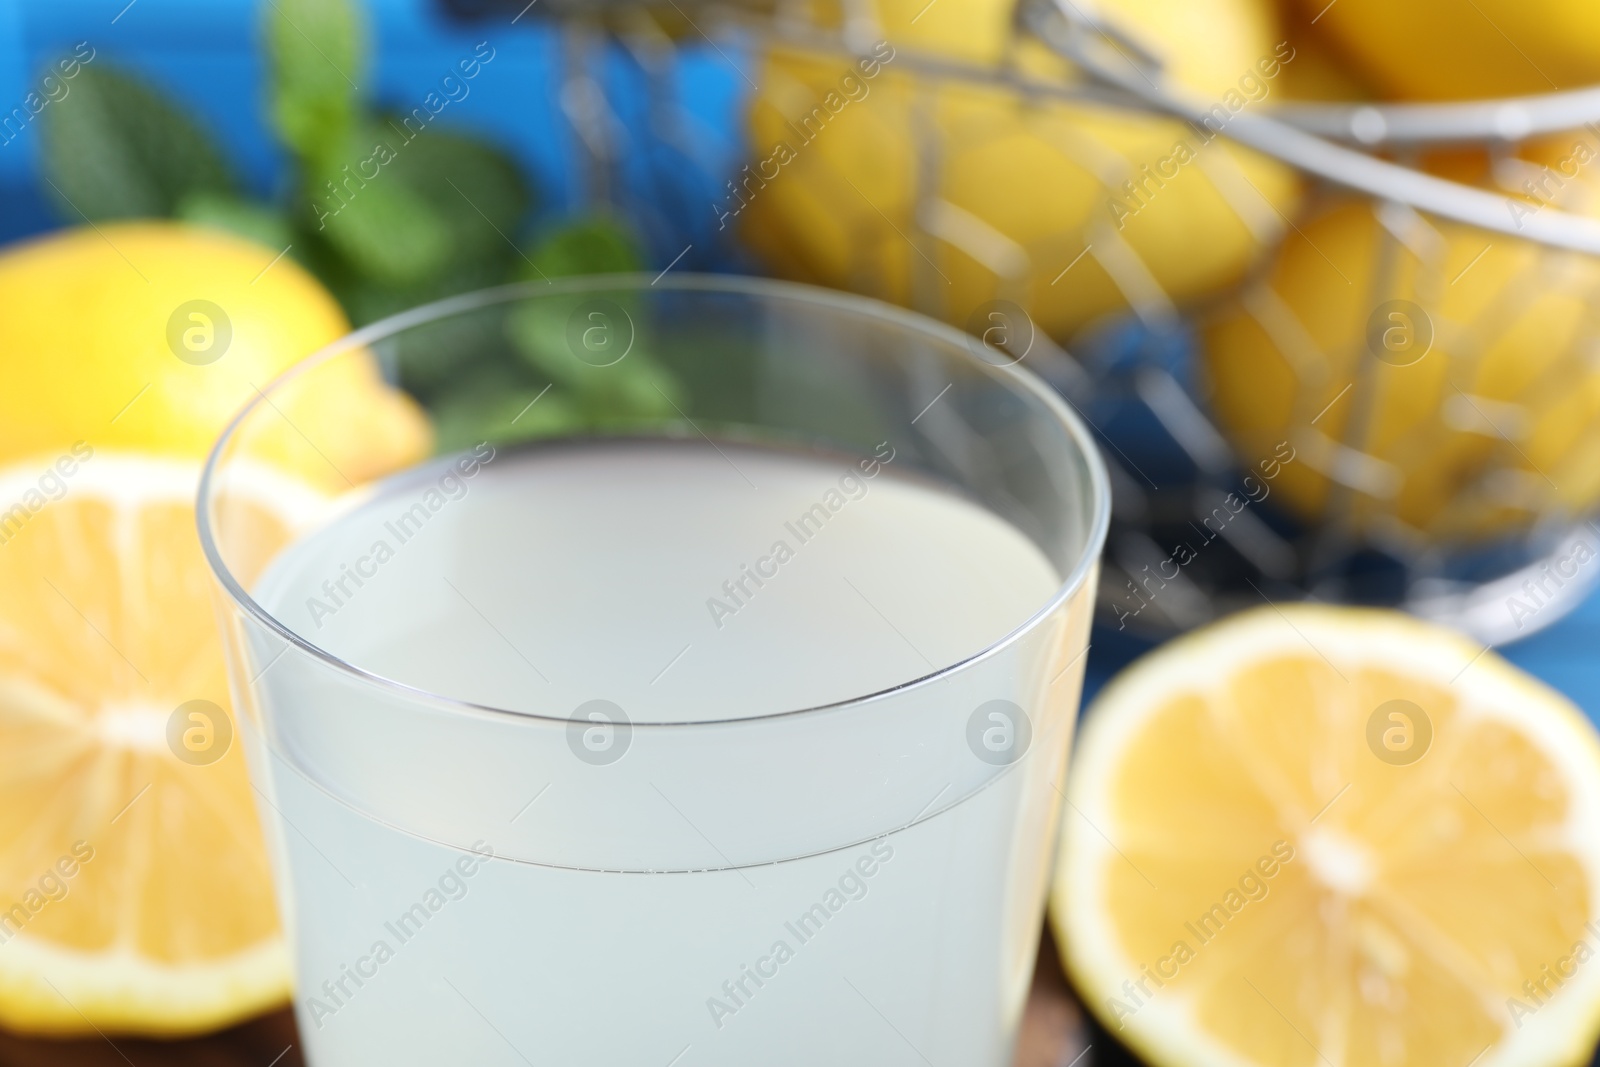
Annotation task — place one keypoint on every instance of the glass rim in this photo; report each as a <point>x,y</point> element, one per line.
<point>1020,378</point>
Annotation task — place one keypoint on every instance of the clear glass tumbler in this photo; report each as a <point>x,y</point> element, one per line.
<point>709,706</point>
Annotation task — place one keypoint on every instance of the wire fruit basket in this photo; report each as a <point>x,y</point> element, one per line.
<point>1338,351</point>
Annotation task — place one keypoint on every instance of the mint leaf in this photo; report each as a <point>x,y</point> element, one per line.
<point>119,148</point>
<point>478,190</point>
<point>491,408</point>
<point>635,384</point>
<point>246,218</point>
<point>316,60</point>
<point>636,387</point>
<point>439,358</point>
<point>596,245</point>
<point>384,228</point>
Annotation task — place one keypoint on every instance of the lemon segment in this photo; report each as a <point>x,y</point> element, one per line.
<point>134,889</point>
<point>1336,836</point>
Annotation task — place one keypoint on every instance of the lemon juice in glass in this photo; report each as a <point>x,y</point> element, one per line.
<point>721,736</point>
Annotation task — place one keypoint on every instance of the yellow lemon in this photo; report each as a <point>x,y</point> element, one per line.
<point>134,892</point>
<point>1435,380</point>
<point>949,194</point>
<point>1466,49</point>
<point>1320,72</point>
<point>1330,835</point>
<point>148,336</point>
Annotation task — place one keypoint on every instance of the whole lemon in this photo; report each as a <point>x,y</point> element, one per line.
<point>1451,50</point>
<point>149,336</point>
<point>1437,382</point>
<point>949,194</point>
<point>1320,72</point>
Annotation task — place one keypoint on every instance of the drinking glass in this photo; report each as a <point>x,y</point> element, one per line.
<point>525,806</point>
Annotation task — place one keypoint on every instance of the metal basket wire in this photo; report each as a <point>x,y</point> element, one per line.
<point>1134,378</point>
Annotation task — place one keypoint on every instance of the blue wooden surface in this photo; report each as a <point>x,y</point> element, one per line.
<point>1566,655</point>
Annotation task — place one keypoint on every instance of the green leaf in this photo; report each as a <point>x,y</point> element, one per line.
<point>247,218</point>
<point>119,148</point>
<point>644,389</point>
<point>538,328</point>
<point>428,216</point>
<point>492,408</point>
<point>366,299</point>
<point>439,358</point>
<point>316,59</point>
<point>478,190</point>
<point>597,245</point>
<point>387,230</point>
<point>635,384</point>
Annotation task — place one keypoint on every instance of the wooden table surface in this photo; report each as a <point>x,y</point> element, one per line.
<point>1054,1034</point>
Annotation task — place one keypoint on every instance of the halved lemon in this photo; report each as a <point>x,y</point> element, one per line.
<point>1329,836</point>
<point>134,890</point>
